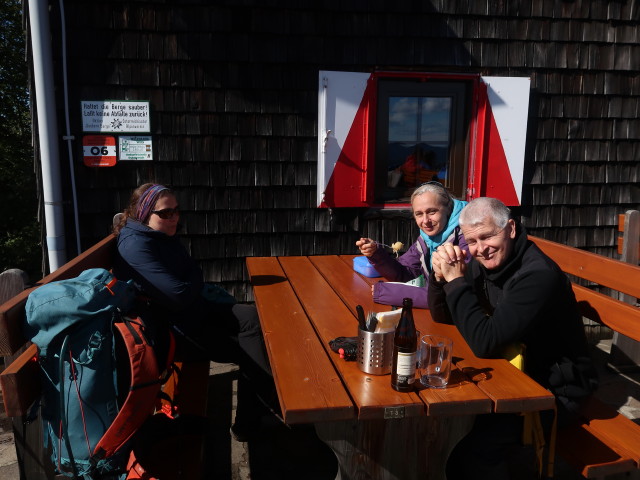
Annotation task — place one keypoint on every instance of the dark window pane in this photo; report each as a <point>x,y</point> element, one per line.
<point>416,142</point>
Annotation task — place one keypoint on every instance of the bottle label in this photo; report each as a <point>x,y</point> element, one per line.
<point>406,365</point>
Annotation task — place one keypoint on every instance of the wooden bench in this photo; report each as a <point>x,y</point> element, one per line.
<point>606,442</point>
<point>20,381</point>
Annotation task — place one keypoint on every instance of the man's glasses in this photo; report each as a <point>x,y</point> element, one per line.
<point>167,213</point>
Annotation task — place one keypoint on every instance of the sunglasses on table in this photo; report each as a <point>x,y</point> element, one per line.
<point>167,213</point>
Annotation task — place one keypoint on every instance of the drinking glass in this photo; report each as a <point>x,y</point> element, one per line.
<point>434,362</point>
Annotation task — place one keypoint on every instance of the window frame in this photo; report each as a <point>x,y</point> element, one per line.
<point>460,92</point>
<point>494,142</point>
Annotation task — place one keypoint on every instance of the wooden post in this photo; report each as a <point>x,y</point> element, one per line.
<point>625,352</point>
<point>25,435</point>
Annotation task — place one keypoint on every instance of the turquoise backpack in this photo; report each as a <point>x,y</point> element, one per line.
<point>90,407</point>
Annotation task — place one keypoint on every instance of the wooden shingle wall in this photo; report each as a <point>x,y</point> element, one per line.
<point>233,92</point>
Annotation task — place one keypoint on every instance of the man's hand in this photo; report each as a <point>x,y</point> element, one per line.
<point>448,262</point>
<point>437,270</point>
<point>367,246</point>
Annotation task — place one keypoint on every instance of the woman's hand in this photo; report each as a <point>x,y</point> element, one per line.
<point>367,246</point>
<point>448,262</point>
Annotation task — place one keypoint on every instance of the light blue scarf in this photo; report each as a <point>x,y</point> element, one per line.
<point>437,240</point>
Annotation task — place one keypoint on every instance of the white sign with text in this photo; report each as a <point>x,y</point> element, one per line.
<point>115,116</point>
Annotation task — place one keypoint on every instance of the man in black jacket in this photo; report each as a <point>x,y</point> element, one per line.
<point>510,293</point>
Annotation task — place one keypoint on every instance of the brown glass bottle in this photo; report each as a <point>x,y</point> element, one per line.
<point>405,342</point>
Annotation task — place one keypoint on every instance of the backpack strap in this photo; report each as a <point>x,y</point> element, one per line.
<point>144,388</point>
<point>64,427</point>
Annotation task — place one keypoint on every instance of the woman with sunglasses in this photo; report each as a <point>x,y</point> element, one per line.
<point>436,213</point>
<point>209,322</point>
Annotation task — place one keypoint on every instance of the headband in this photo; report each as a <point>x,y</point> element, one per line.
<point>147,200</point>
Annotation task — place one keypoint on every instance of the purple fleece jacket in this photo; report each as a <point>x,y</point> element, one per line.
<point>408,266</point>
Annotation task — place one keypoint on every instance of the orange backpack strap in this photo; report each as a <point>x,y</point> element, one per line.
<point>135,471</point>
<point>143,390</point>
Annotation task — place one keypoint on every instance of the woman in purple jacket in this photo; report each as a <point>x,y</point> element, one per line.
<point>436,213</point>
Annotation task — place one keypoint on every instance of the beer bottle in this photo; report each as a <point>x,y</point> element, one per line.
<point>405,343</point>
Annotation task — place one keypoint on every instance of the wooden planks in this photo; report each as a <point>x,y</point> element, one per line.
<point>619,316</point>
<point>606,442</point>
<point>20,383</point>
<point>614,274</point>
<point>617,275</point>
<point>462,398</point>
<point>309,388</point>
<point>509,389</point>
<point>594,459</point>
<point>616,430</point>
<point>327,289</point>
<point>333,317</point>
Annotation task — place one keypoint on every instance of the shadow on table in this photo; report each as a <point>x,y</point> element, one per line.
<point>261,280</point>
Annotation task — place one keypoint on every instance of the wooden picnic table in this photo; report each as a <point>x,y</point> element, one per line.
<point>376,432</point>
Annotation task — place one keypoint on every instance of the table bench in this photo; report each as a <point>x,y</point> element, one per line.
<point>605,442</point>
<point>306,301</point>
<point>20,380</point>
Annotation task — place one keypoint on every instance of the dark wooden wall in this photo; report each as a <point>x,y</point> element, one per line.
<point>233,92</point>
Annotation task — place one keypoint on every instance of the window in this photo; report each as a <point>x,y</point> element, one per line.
<point>420,136</point>
<point>383,134</point>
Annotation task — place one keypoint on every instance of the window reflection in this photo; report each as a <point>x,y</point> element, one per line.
<point>419,143</point>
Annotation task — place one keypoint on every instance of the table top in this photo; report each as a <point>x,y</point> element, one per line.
<point>306,301</point>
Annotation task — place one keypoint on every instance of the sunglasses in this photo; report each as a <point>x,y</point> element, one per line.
<point>167,213</point>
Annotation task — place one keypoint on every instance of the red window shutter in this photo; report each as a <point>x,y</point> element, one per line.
<point>344,100</point>
<point>497,159</point>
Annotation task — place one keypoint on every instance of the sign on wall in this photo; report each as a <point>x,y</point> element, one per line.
<point>135,148</point>
<point>115,116</point>
<point>99,150</point>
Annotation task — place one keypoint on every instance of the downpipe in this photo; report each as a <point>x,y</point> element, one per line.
<point>47,132</point>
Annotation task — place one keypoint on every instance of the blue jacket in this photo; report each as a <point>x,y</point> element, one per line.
<point>162,269</point>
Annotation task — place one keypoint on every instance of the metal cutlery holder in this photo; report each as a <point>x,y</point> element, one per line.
<point>375,352</point>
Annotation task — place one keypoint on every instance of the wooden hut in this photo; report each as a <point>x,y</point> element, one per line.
<point>232,89</point>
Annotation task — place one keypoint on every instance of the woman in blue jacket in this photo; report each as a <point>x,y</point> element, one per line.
<point>436,213</point>
<point>209,323</point>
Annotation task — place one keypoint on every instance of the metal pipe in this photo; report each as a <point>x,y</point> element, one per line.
<point>68,137</point>
<point>47,132</point>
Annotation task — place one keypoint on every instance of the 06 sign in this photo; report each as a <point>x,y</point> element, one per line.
<point>99,150</point>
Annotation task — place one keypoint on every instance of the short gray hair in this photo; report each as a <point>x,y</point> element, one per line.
<point>444,197</point>
<point>481,208</point>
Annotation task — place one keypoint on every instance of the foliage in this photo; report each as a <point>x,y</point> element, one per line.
<point>19,230</point>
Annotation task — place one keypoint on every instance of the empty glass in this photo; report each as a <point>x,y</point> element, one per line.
<point>434,362</point>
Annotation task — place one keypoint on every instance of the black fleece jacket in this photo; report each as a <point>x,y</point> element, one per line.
<point>528,300</point>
